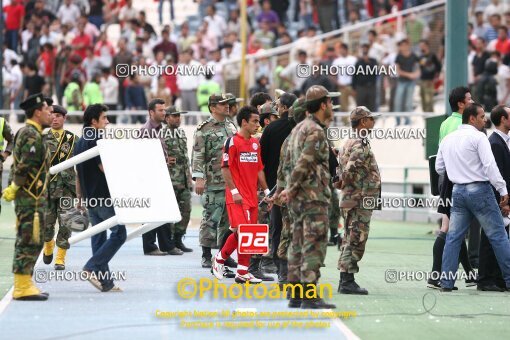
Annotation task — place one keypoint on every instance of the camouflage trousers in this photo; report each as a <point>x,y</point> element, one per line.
<point>183,196</point>
<point>214,224</point>
<point>356,228</point>
<point>283,247</point>
<point>27,250</point>
<point>264,218</point>
<point>52,215</point>
<point>334,210</point>
<point>309,232</point>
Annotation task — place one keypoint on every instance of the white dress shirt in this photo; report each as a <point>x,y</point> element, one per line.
<point>467,157</point>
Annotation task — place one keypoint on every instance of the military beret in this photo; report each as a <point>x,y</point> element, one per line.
<point>32,101</point>
<point>59,109</point>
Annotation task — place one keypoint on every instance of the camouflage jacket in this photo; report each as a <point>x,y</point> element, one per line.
<point>176,147</point>
<point>283,166</point>
<point>60,148</point>
<point>309,161</point>
<point>358,170</point>
<point>207,151</point>
<point>30,165</point>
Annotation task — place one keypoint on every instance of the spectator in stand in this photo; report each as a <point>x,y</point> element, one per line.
<point>478,64</point>
<point>61,64</point>
<point>73,94</point>
<point>344,80</point>
<point>188,84</point>
<point>104,51</point>
<point>65,35</point>
<point>260,86</point>
<point>130,33</point>
<point>47,36</point>
<point>145,26</point>
<point>123,57</point>
<point>90,29</point>
<point>135,98</point>
<point>217,25</point>
<point>290,73</point>
<point>306,12</point>
<point>264,35</point>
<point>480,26</point>
<point>364,83</point>
<point>91,64</point>
<point>502,43</point>
<point>127,13</point>
<point>487,86</point>
<point>68,13</point>
<point>205,90</point>
<point>81,42</point>
<point>9,55</point>
<point>268,15</point>
<point>327,11</point>
<point>14,14</point>
<point>109,86</point>
<point>408,72</point>
<point>492,30</point>
<point>33,47</point>
<point>233,23</point>
<point>96,13</point>
<point>502,78</point>
<point>162,91</point>
<point>185,40</point>
<point>26,35</point>
<point>92,92</point>
<point>160,11</point>
<point>216,64</point>
<point>16,85</point>
<point>33,82</point>
<point>38,11</point>
<point>46,63</point>
<point>414,29</point>
<point>318,78</point>
<point>166,46</point>
<point>430,68</point>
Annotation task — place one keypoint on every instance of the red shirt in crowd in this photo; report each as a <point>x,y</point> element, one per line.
<point>503,46</point>
<point>84,41</point>
<point>48,59</point>
<point>14,12</point>
<point>242,157</point>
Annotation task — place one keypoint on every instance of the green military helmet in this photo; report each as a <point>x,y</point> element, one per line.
<point>298,110</point>
<point>268,108</point>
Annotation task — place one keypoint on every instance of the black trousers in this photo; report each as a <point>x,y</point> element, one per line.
<point>164,235</point>
<point>276,222</point>
<point>488,269</point>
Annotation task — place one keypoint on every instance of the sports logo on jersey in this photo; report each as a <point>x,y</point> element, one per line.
<point>253,239</point>
<point>248,157</point>
<point>255,146</point>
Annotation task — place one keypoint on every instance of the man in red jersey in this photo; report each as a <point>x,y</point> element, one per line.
<point>243,172</point>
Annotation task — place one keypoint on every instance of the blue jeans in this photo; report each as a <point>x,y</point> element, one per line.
<point>404,98</point>
<point>103,249</point>
<point>474,200</point>
<point>160,10</point>
<point>11,39</point>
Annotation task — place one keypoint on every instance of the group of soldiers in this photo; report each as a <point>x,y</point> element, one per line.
<point>305,190</point>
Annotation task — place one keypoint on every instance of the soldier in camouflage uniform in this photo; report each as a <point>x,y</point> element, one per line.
<point>206,171</point>
<point>178,166</point>
<point>233,106</point>
<point>307,194</point>
<point>361,188</point>
<point>5,134</point>
<point>29,178</point>
<point>60,144</point>
<point>296,113</point>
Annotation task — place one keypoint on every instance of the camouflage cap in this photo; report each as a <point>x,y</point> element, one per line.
<point>268,108</point>
<point>298,110</point>
<point>317,92</point>
<point>218,98</point>
<point>172,110</point>
<point>232,99</point>
<point>362,112</point>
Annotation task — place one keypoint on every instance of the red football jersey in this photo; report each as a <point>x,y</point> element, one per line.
<point>242,157</point>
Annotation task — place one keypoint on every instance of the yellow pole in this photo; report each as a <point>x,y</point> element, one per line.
<point>244,22</point>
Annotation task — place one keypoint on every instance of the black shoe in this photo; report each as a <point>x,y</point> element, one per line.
<point>47,259</point>
<point>60,267</point>
<point>206,263</point>
<point>295,302</point>
<point>446,290</point>
<point>283,271</point>
<point>317,303</point>
<point>333,240</point>
<point>230,263</point>
<point>228,273</point>
<point>38,297</point>
<point>472,280</point>
<point>180,245</point>
<point>489,288</point>
<point>349,286</point>
<point>254,269</point>
<point>260,275</point>
<point>434,284</point>
<point>267,266</point>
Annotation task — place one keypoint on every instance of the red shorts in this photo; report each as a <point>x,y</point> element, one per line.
<point>241,214</point>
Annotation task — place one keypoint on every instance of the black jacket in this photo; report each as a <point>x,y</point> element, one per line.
<point>502,156</point>
<point>271,142</point>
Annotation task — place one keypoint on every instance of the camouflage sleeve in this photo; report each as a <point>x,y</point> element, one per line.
<point>355,169</point>
<point>198,156</point>
<point>31,147</point>
<point>9,137</point>
<point>307,162</point>
<point>280,175</point>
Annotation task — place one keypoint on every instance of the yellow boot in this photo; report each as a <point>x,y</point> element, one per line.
<point>24,289</point>
<point>48,251</point>
<point>60,259</point>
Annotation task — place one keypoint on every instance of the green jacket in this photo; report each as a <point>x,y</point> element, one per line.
<point>204,91</point>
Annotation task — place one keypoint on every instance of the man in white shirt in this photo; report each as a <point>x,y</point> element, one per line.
<point>345,63</point>
<point>296,74</point>
<point>467,158</point>
<point>188,83</point>
<point>217,25</point>
<point>68,13</point>
<point>109,86</point>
